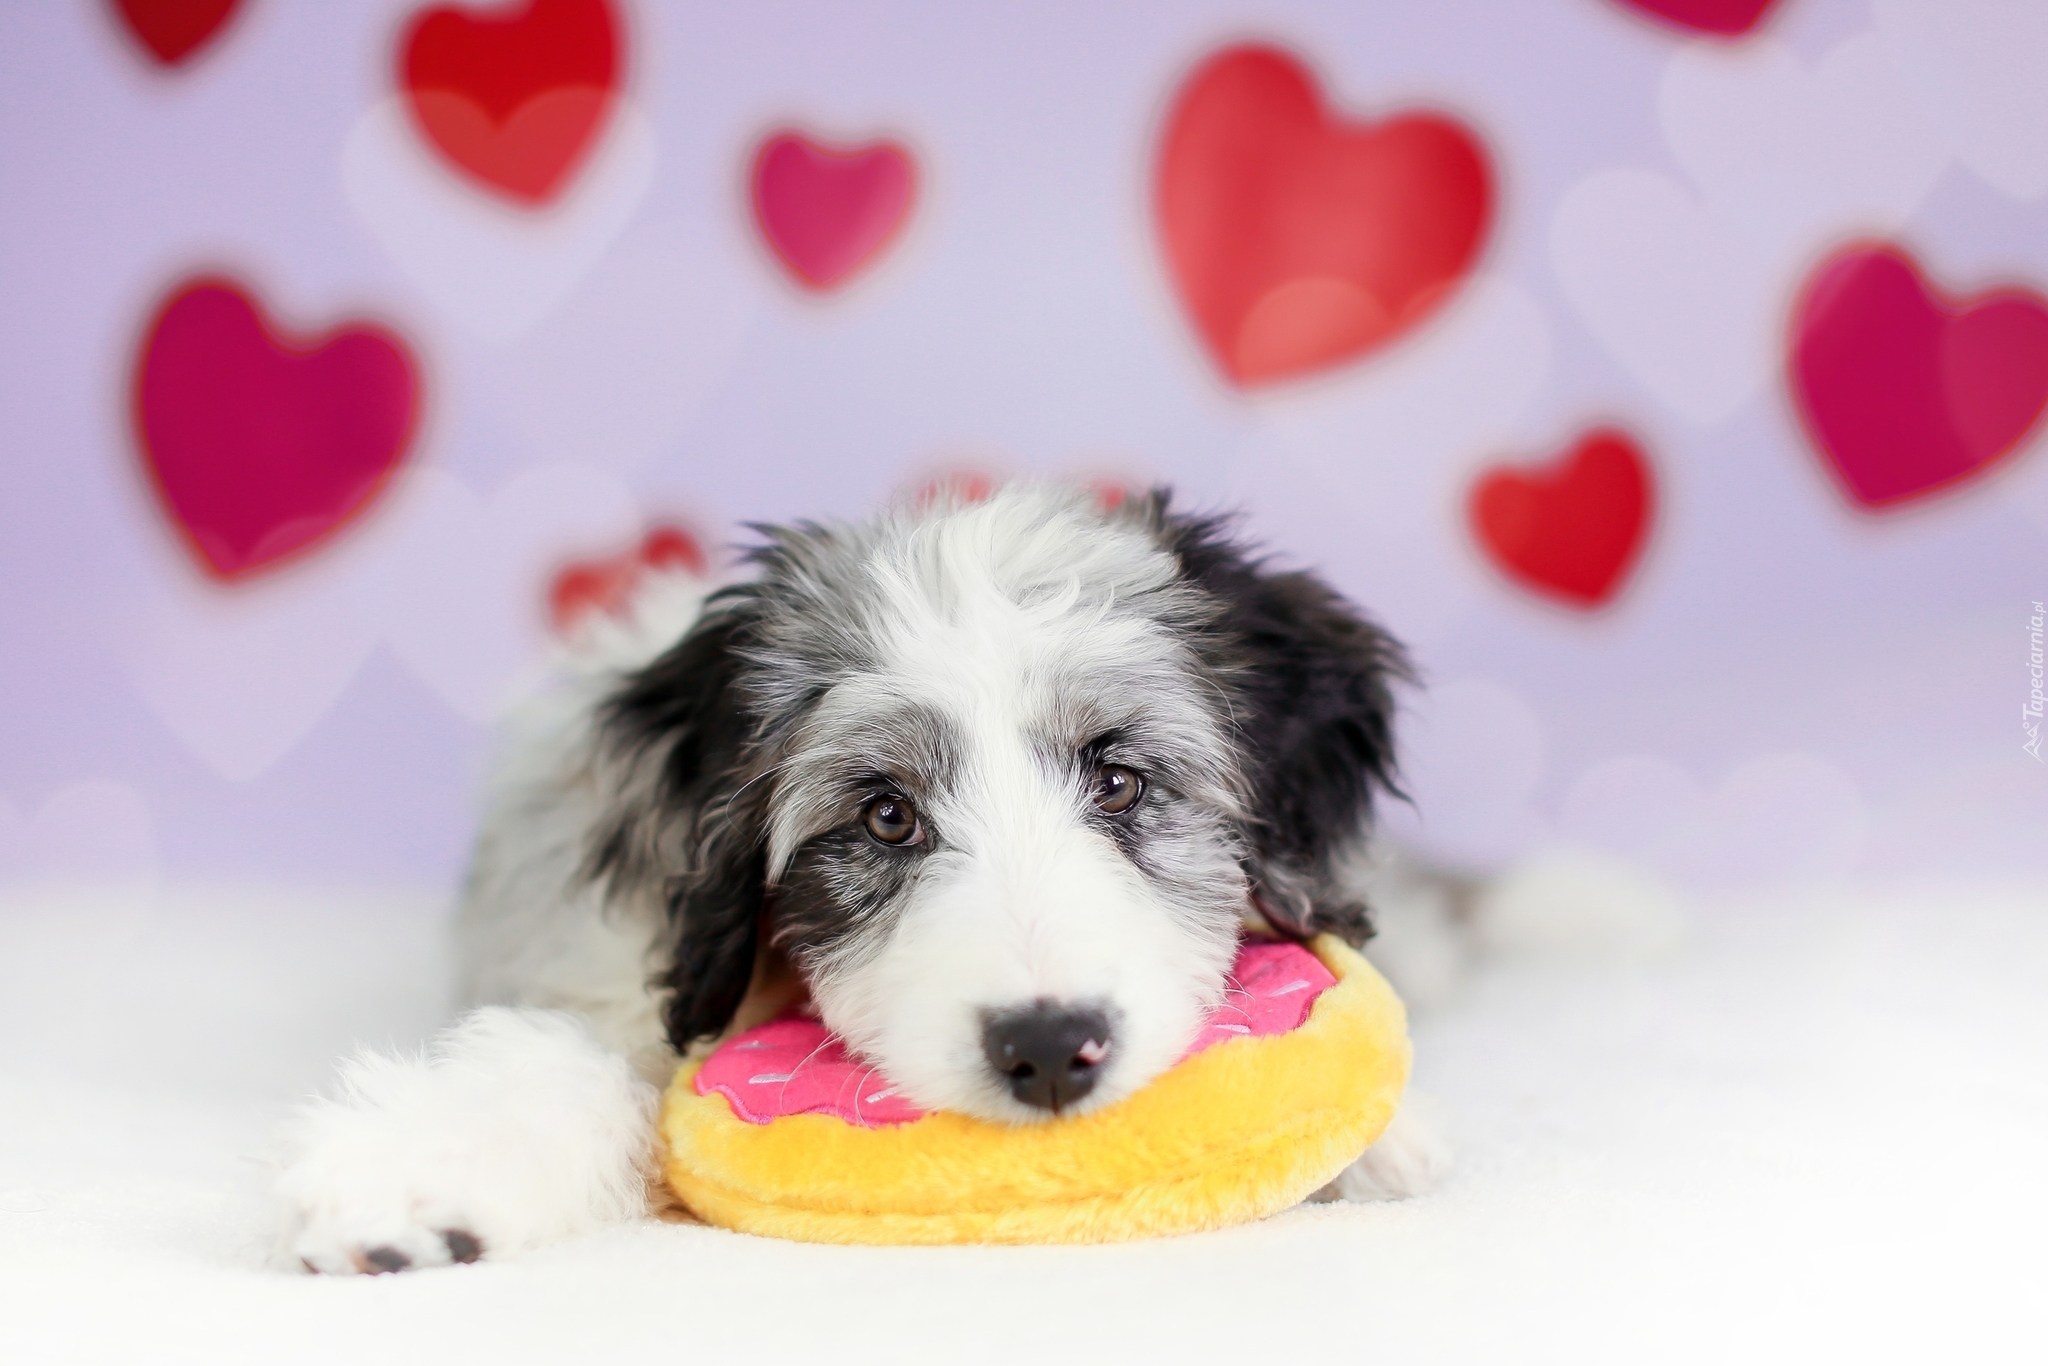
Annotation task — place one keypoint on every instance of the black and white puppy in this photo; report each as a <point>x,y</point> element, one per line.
<point>998,783</point>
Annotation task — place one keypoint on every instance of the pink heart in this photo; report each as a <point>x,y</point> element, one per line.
<point>1906,392</point>
<point>1729,18</point>
<point>827,210</point>
<point>262,445</point>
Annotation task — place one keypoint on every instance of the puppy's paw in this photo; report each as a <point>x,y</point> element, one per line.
<point>356,1201</point>
<point>321,1250</point>
<point>1410,1159</point>
<point>516,1129</point>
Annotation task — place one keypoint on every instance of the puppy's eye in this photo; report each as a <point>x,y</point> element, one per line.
<point>1117,789</point>
<point>892,820</point>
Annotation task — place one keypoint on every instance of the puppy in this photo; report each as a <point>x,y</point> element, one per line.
<point>997,783</point>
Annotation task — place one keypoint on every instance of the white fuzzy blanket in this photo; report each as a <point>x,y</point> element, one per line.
<point>1816,1130</point>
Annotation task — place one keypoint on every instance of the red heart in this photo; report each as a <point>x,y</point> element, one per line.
<point>826,210</point>
<point>956,487</point>
<point>172,30</point>
<point>515,100</point>
<point>1109,494</point>
<point>605,585</point>
<point>1573,528</point>
<point>263,445</point>
<point>1904,391</point>
<point>1298,242</point>
<point>1729,18</point>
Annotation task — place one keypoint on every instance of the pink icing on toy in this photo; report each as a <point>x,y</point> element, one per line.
<point>791,1066</point>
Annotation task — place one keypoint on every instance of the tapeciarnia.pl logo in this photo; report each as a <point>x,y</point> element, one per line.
<point>2030,714</point>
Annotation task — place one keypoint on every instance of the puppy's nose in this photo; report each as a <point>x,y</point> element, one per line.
<point>1048,1054</point>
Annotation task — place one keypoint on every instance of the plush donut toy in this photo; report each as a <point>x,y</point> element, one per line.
<point>780,1132</point>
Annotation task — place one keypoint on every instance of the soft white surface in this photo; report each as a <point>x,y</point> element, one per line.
<point>1811,1129</point>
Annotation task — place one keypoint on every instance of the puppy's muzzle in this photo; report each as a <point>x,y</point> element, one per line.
<point>1047,1053</point>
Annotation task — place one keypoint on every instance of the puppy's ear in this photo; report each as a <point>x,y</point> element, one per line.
<point>1311,683</point>
<point>676,747</point>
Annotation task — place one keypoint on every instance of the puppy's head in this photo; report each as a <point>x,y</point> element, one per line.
<point>1003,780</point>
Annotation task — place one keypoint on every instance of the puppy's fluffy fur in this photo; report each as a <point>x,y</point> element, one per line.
<point>694,809</point>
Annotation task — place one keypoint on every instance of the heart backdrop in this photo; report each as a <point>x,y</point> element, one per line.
<point>494,271</point>
<point>959,486</point>
<point>1905,392</point>
<point>827,210</point>
<point>262,445</point>
<point>173,30</point>
<point>1573,528</point>
<point>515,101</point>
<point>584,589</point>
<point>1729,18</point>
<point>1297,241</point>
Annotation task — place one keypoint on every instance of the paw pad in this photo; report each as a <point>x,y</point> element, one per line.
<point>378,1260</point>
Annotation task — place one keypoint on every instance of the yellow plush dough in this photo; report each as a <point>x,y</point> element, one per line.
<point>1241,1130</point>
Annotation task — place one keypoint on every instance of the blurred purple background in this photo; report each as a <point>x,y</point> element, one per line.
<point>1787,685</point>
